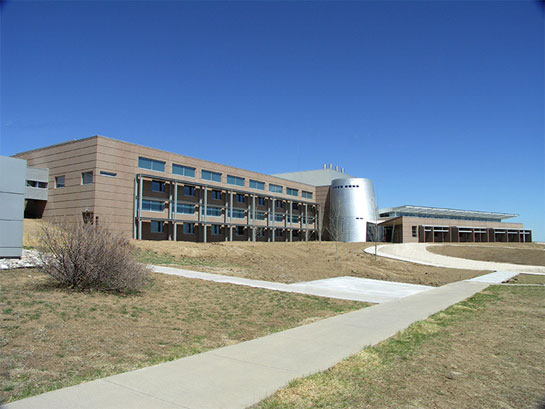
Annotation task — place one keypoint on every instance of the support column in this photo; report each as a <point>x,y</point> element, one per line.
<point>205,211</point>
<point>254,221</point>
<point>273,220</point>
<point>306,222</point>
<point>268,219</point>
<point>135,216</point>
<point>175,211</point>
<point>140,192</point>
<point>248,210</point>
<point>225,217</point>
<point>319,222</point>
<point>170,211</point>
<point>291,220</point>
<point>231,216</point>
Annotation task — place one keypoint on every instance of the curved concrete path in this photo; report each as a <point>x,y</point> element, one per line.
<point>417,253</point>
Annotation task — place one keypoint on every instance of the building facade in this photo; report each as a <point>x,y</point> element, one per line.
<point>420,224</point>
<point>151,194</point>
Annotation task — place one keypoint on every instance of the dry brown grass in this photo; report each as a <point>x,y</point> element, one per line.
<point>529,254</point>
<point>52,337</point>
<point>294,262</point>
<point>527,279</point>
<point>487,352</point>
<point>286,262</point>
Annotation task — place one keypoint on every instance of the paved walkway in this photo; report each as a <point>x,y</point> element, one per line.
<point>346,288</point>
<point>417,253</point>
<point>240,375</point>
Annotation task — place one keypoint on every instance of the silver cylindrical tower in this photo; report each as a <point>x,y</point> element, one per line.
<point>352,205</point>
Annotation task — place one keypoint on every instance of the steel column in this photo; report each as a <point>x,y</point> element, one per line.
<point>140,192</point>
<point>175,211</point>
<point>205,211</point>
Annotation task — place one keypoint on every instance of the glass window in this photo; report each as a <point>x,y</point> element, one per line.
<point>31,183</point>
<point>261,201</point>
<point>211,211</point>
<point>111,174</point>
<point>152,205</point>
<point>307,195</point>
<point>189,191</point>
<point>295,206</point>
<point>258,215</point>
<point>237,213</point>
<point>279,204</point>
<point>240,198</point>
<point>292,192</point>
<point>42,185</point>
<point>235,180</point>
<point>216,229</point>
<point>156,226</point>
<point>184,208</point>
<point>157,186</point>
<point>240,231</point>
<point>254,184</point>
<point>183,170</point>
<point>188,228</point>
<point>216,195</point>
<point>59,181</point>
<point>151,164</point>
<point>294,219</point>
<point>275,188</point>
<point>278,217</point>
<point>414,231</point>
<point>278,233</point>
<point>213,176</point>
<point>86,178</point>
<point>260,232</point>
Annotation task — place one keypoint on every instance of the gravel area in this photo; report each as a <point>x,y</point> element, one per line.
<point>30,259</point>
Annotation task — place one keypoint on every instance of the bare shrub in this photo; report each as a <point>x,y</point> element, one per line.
<point>89,256</point>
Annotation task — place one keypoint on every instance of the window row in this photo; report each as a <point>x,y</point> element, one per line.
<point>188,171</point>
<point>215,229</point>
<point>34,183</point>
<point>345,186</point>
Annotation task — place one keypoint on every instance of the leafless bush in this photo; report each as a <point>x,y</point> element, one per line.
<point>89,256</point>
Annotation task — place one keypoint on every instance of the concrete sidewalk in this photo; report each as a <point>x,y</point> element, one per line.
<point>345,288</point>
<point>240,375</point>
<point>418,253</point>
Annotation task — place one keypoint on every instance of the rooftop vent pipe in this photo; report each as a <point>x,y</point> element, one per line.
<point>330,166</point>
<point>337,168</point>
<point>325,166</point>
<point>342,170</point>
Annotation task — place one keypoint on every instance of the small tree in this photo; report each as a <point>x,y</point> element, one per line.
<point>89,256</point>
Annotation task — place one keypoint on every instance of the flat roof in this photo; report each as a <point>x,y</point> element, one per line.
<point>438,211</point>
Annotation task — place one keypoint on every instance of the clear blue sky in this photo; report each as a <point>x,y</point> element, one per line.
<point>439,103</point>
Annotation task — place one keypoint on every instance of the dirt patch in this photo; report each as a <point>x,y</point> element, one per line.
<point>500,253</point>
<point>294,262</point>
<point>487,352</point>
<point>527,279</point>
<point>52,337</point>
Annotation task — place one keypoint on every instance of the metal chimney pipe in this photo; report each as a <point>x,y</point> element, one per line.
<point>330,166</point>
<point>337,168</point>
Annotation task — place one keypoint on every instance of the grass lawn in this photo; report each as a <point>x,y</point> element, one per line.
<point>52,337</point>
<point>486,352</point>
<point>528,254</point>
<point>527,279</point>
